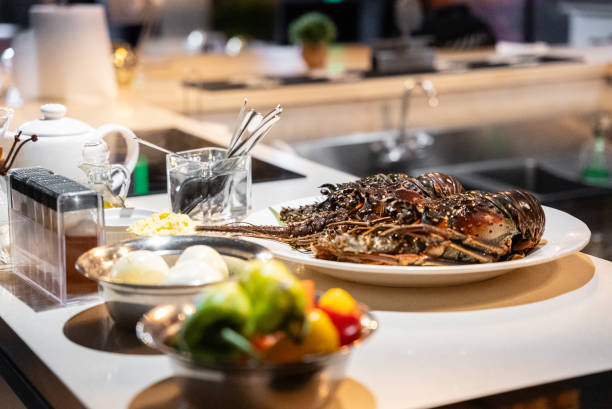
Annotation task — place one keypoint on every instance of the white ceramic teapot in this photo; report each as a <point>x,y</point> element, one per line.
<point>60,142</point>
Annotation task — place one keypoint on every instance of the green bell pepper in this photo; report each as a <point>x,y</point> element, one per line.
<point>215,330</point>
<point>277,299</point>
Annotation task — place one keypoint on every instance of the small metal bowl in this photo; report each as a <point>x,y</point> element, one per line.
<point>307,384</point>
<point>127,303</point>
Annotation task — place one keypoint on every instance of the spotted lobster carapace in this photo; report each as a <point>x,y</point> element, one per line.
<point>400,220</point>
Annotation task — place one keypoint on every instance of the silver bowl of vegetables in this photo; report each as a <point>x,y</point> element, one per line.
<point>261,341</point>
<point>137,275</point>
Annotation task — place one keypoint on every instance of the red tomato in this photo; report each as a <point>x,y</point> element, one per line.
<point>348,325</point>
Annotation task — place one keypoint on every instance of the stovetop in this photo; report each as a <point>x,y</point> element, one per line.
<point>274,81</point>
<point>149,176</point>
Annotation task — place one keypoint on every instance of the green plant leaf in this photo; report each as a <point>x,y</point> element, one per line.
<point>276,216</point>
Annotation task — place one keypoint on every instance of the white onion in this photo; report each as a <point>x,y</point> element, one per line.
<point>140,267</point>
<point>193,272</point>
<point>204,254</point>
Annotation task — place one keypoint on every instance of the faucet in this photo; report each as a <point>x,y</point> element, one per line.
<point>432,100</point>
<point>409,144</point>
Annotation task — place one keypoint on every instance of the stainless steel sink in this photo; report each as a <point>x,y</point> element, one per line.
<point>365,154</point>
<point>549,179</point>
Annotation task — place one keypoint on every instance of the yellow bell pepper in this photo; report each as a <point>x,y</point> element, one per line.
<point>340,301</point>
<point>344,312</point>
<point>323,337</point>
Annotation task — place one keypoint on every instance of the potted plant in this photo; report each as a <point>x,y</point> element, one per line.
<point>314,31</point>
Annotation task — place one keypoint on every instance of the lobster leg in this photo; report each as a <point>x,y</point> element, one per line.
<point>437,239</point>
<point>374,258</point>
<point>305,228</point>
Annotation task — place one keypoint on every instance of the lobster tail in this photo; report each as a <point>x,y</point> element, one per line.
<point>526,212</point>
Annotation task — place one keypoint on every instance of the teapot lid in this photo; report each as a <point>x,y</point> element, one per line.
<point>54,123</point>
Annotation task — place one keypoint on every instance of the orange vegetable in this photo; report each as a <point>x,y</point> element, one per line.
<point>263,342</point>
<point>309,290</point>
<point>284,351</point>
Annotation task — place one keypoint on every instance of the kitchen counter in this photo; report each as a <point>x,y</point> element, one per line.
<point>352,104</point>
<point>161,77</point>
<point>434,346</point>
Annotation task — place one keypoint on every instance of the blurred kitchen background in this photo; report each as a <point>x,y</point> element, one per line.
<point>360,20</point>
<point>500,93</point>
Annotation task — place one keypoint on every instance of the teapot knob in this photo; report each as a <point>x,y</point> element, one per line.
<point>53,111</point>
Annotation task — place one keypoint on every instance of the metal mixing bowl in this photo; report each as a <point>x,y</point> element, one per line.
<point>127,303</point>
<point>307,384</point>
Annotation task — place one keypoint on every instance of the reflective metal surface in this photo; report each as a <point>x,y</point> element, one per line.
<point>550,179</point>
<point>364,154</point>
<point>125,302</point>
<point>308,384</point>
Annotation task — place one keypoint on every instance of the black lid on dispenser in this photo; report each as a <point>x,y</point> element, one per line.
<point>45,187</point>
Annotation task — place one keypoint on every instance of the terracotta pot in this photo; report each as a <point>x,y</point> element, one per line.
<point>315,55</point>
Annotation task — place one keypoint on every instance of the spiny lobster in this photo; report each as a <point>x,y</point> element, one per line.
<point>399,220</point>
<point>380,197</point>
<point>470,227</point>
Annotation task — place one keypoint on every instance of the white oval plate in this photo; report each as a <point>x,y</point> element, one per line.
<point>564,235</point>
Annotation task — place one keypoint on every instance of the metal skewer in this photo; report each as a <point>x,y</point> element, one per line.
<point>243,126</point>
<point>152,145</point>
<point>236,133</point>
<point>277,110</point>
<point>251,127</point>
<point>247,144</point>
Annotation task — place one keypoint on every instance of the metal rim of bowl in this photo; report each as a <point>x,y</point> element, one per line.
<point>368,322</point>
<point>160,244</point>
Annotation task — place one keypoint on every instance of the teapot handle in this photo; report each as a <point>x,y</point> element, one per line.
<point>131,156</point>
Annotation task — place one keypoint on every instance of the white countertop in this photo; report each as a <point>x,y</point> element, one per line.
<point>416,359</point>
<point>433,346</point>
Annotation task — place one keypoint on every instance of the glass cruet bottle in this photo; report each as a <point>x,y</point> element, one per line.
<point>596,155</point>
<point>110,180</point>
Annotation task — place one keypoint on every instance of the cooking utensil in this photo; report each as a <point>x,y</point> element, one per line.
<point>245,146</point>
<point>236,133</point>
<point>251,127</point>
<point>207,180</point>
<point>260,121</point>
<point>152,145</point>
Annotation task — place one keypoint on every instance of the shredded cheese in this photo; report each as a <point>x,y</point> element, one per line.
<point>164,224</point>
